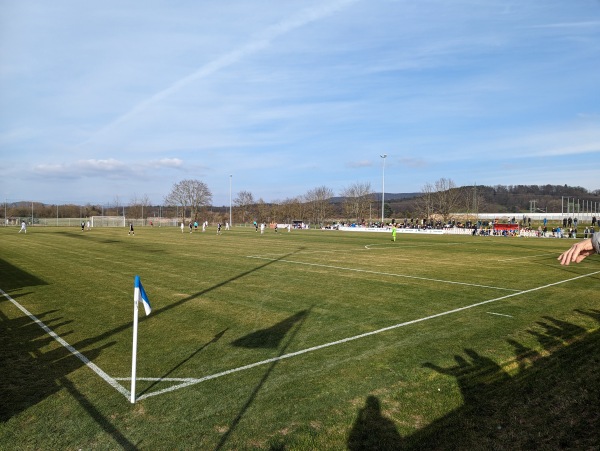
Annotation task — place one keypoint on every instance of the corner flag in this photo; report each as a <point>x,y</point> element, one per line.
<point>140,294</point>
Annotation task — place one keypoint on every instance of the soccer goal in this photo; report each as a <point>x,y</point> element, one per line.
<point>108,221</point>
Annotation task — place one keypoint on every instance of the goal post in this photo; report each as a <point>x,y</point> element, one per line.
<point>108,221</point>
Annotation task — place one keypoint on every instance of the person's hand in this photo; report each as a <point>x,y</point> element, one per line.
<point>577,252</point>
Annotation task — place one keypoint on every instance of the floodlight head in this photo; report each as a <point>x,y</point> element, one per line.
<point>384,155</point>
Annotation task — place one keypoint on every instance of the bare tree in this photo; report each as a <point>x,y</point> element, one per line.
<point>447,198</point>
<point>117,205</point>
<point>319,205</point>
<point>244,202</point>
<point>137,206</point>
<point>425,201</point>
<point>289,209</point>
<point>474,200</point>
<point>263,211</point>
<point>189,193</point>
<point>357,198</point>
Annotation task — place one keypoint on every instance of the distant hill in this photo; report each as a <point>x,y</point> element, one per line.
<point>509,199</point>
<point>389,197</point>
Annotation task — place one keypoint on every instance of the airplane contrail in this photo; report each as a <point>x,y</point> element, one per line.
<point>264,40</point>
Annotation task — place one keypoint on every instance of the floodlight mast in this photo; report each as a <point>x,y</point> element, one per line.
<point>383,188</point>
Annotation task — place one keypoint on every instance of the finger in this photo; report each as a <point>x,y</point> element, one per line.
<point>570,255</point>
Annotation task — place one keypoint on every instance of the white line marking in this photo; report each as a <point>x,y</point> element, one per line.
<point>70,348</point>
<point>356,337</point>
<point>402,245</point>
<point>381,273</point>
<point>157,379</point>
<point>499,314</point>
<point>526,256</point>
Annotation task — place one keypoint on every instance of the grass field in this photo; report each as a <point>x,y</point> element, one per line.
<point>303,340</point>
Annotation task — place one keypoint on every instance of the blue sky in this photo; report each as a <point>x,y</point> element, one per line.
<point>122,99</point>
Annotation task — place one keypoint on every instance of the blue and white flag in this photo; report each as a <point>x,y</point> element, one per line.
<point>140,295</point>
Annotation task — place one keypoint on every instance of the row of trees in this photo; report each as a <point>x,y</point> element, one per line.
<point>357,202</point>
<point>315,206</point>
<point>138,207</point>
<point>192,199</point>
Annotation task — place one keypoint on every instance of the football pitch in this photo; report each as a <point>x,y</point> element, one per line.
<point>303,340</point>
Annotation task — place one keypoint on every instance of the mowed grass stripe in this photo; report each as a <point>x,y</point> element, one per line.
<point>340,268</point>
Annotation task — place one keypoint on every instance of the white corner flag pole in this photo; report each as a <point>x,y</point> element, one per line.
<point>138,294</point>
<point>134,351</point>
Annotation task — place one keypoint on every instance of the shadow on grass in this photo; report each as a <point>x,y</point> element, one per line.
<point>13,278</point>
<point>29,375</point>
<point>372,430</point>
<point>216,338</point>
<point>549,402</point>
<point>296,320</point>
<point>272,336</point>
<point>158,311</point>
<point>100,419</point>
<point>90,237</point>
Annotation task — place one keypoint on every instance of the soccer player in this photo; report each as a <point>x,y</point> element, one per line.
<point>23,227</point>
<point>131,232</point>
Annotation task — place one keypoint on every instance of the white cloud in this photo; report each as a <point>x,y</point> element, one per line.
<point>283,95</point>
<point>167,163</point>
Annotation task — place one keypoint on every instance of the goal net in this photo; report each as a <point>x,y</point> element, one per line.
<point>108,221</point>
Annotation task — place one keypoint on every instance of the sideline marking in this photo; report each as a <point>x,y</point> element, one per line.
<point>405,246</point>
<point>70,348</point>
<point>499,314</point>
<point>191,381</point>
<point>381,273</point>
